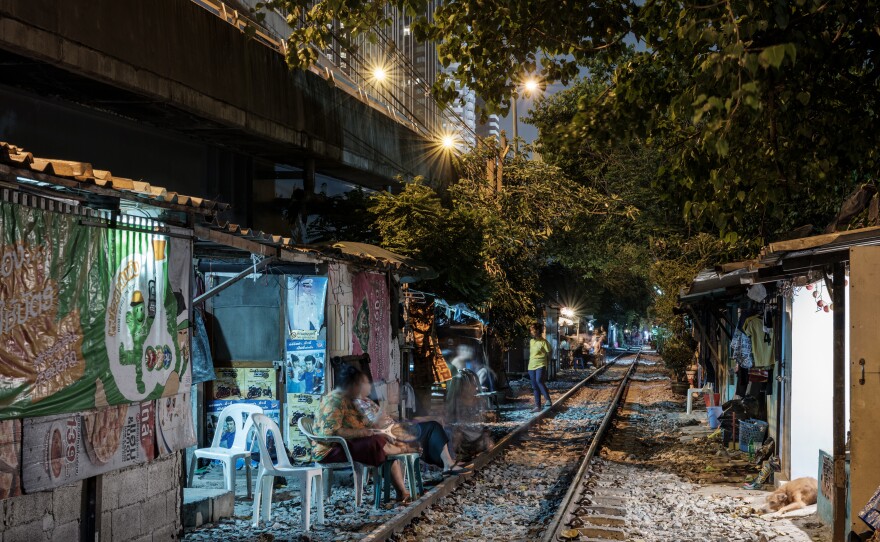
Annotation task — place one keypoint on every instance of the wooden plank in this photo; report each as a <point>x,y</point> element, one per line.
<point>234,241</point>
<point>864,398</point>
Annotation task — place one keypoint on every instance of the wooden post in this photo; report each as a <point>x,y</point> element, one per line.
<point>838,296</point>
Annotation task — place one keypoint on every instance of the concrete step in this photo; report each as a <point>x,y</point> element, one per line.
<point>202,506</point>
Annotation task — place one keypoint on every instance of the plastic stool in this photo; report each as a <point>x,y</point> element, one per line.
<point>412,473</point>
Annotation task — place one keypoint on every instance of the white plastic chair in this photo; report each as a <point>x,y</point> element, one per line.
<point>229,456</point>
<point>310,478</point>
<point>357,469</point>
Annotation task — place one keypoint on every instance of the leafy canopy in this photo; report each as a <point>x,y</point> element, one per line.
<point>766,112</point>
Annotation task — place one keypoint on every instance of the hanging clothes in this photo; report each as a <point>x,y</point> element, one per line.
<point>761,339</point>
<point>741,349</point>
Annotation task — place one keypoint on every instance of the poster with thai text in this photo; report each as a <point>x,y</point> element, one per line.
<point>59,450</point>
<point>299,405</point>
<point>305,307</point>
<point>89,316</point>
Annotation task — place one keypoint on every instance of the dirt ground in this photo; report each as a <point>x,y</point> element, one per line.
<point>661,444</point>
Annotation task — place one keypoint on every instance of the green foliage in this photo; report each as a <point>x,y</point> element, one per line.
<point>489,247</point>
<point>678,354</point>
<point>765,113</point>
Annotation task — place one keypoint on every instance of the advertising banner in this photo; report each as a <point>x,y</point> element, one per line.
<point>371,333</point>
<point>299,405</point>
<point>174,423</point>
<point>305,307</point>
<point>59,450</point>
<point>89,316</point>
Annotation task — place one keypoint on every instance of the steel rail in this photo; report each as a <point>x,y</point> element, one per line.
<point>576,487</point>
<point>399,522</point>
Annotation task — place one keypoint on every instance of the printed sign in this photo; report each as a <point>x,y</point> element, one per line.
<point>59,450</point>
<point>305,307</point>
<point>305,366</point>
<point>229,384</point>
<point>259,383</point>
<point>299,405</point>
<point>89,317</point>
<point>174,423</point>
<point>870,514</point>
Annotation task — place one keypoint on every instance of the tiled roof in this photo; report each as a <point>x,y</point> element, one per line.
<point>80,175</point>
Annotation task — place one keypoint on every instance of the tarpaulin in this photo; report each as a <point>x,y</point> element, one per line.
<point>89,316</point>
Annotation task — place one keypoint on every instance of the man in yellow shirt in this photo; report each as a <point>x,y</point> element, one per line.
<point>539,355</point>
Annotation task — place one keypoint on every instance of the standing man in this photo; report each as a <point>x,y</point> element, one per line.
<point>564,350</point>
<point>539,354</point>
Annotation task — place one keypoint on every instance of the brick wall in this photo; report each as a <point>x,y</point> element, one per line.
<point>140,504</point>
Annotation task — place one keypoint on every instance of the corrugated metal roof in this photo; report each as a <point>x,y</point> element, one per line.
<point>81,175</point>
<point>360,253</point>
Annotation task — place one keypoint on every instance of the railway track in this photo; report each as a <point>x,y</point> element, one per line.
<point>517,497</point>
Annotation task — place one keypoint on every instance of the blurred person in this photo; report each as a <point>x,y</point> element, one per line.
<point>539,355</point>
<point>579,354</point>
<point>337,416</point>
<point>565,352</point>
<point>433,440</point>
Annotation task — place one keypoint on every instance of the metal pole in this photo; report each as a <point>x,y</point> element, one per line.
<point>515,127</point>
<point>838,296</point>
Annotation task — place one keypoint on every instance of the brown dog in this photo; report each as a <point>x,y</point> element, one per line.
<point>794,495</point>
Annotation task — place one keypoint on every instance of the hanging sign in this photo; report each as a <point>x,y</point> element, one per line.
<point>89,317</point>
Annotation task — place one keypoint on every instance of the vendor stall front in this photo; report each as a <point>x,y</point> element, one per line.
<point>278,315</point>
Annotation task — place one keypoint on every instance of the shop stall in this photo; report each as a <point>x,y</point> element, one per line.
<point>277,315</point>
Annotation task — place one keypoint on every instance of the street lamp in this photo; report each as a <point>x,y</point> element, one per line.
<point>379,73</point>
<point>530,86</point>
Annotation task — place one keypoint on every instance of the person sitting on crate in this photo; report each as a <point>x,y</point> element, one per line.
<point>337,416</point>
<point>430,438</point>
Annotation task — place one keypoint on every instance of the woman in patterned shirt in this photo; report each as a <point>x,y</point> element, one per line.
<point>337,416</point>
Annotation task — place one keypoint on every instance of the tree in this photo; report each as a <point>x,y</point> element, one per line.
<point>489,246</point>
<point>766,112</point>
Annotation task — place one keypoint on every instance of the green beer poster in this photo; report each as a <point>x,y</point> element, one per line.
<point>89,316</point>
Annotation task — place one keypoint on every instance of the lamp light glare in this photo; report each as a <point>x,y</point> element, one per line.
<point>531,85</point>
<point>379,73</point>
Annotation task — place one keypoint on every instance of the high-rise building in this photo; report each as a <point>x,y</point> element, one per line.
<point>491,127</point>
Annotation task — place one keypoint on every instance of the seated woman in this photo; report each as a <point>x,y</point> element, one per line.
<point>432,437</point>
<point>337,416</point>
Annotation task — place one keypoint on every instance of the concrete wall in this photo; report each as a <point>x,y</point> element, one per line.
<point>49,515</point>
<point>140,504</point>
<point>175,53</point>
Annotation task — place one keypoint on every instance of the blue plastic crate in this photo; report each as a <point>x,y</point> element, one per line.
<point>751,430</point>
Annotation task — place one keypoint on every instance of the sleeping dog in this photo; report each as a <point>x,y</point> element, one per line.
<point>794,495</point>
